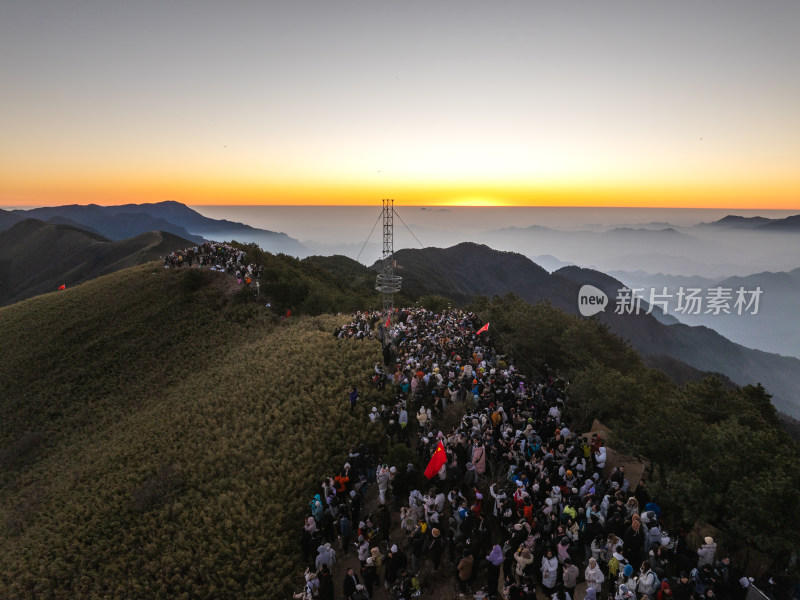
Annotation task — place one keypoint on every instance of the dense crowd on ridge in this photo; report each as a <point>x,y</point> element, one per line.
<point>218,257</point>
<point>521,504</point>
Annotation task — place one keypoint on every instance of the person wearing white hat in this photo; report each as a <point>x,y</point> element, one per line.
<point>594,576</point>
<point>370,575</point>
<point>706,553</point>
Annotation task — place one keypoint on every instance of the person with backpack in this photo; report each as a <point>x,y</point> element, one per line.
<point>648,583</point>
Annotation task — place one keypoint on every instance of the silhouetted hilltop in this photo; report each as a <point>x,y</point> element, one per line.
<point>38,257</point>
<point>737,222</point>
<point>128,220</point>
<point>468,269</point>
<point>787,225</point>
<point>762,224</point>
<point>8,218</point>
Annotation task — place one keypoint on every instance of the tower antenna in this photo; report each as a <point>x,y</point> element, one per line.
<point>388,283</point>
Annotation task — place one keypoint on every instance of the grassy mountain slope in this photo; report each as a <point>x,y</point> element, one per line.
<point>37,257</point>
<point>315,285</point>
<point>160,434</point>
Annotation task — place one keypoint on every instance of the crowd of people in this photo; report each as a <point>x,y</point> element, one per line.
<point>521,503</point>
<point>217,256</point>
<point>360,328</point>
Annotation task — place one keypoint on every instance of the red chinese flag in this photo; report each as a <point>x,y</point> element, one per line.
<point>437,460</point>
<point>484,328</point>
<point>62,286</point>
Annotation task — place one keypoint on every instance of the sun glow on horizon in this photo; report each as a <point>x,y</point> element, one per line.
<point>199,193</point>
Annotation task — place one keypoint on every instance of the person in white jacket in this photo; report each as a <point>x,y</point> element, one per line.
<point>549,572</point>
<point>706,552</point>
<point>594,576</point>
<point>498,500</point>
<point>600,457</point>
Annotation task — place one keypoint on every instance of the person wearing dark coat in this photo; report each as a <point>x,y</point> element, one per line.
<point>435,547</point>
<point>370,574</point>
<point>385,521</point>
<point>346,530</point>
<point>389,570</point>
<point>349,585</point>
<point>305,547</point>
<point>684,589</point>
<point>325,589</point>
<point>633,542</point>
<point>355,506</point>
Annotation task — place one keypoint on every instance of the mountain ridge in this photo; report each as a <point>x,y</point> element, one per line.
<point>37,257</point>
<point>469,269</point>
<point>119,222</point>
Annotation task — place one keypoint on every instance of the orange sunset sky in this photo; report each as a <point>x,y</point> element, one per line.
<point>674,104</point>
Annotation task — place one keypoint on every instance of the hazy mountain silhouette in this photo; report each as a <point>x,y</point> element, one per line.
<point>110,221</point>
<point>128,220</point>
<point>787,225</point>
<point>775,327</point>
<point>467,269</point>
<point>219,229</point>
<point>701,347</point>
<point>8,218</point>
<point>38,257</point>
<point>737,222</point>
<point>59,220</point>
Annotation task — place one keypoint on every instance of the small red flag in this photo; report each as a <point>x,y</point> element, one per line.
<point>437,460</point>
<point>63,286</point>
<point>388,321</point>
<point>484,328</point>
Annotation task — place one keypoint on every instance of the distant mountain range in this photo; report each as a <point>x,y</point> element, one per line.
<point>788,224</point>
<point>467,269</point>
<point>128,220</point>
<point>81,242</point>
<point>775,328</point>
<point>38,257</point>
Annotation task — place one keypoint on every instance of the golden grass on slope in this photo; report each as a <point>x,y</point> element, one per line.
<point>175,444</point>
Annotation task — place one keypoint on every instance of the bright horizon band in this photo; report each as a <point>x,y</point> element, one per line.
<point>753,196</point>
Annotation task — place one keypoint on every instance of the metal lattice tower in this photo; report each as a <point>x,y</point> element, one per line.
<point>388,283</point>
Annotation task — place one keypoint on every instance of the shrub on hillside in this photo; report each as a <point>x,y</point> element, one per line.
<point>22,451</point>
<point>156,489</point>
